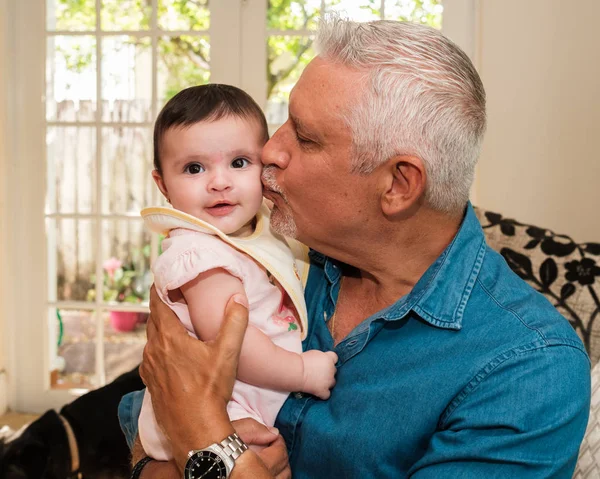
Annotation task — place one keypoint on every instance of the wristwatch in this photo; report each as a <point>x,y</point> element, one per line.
<point>216,461</point>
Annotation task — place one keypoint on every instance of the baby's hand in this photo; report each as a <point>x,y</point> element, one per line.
<point>319,372</point>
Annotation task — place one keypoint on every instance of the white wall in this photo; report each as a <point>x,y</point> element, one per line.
<point>4,40</point>
<point>540,64</point>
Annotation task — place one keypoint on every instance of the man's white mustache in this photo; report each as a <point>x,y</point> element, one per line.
<point>268,179</point>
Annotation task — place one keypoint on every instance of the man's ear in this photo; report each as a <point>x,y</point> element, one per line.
<point>158,179</point>
<point>404,181</point>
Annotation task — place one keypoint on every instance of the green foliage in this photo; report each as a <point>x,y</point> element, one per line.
<point>127,281</point>
<point>120,283</point>
<point>183,14</point>
<point>74,15</point>
<point>185,59</point>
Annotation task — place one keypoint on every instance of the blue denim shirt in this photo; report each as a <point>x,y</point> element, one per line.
<point>472,374</point>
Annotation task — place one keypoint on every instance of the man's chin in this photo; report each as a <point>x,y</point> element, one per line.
<point>283,224</point>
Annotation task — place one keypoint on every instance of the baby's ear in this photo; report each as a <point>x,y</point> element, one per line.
<point>158,179</point>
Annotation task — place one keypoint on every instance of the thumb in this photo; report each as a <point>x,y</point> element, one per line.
<point>253,432</point>
<point>233,328</point>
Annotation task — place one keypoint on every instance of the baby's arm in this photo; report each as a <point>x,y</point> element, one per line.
<point>262,363</point>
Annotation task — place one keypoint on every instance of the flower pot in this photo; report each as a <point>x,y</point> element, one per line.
<point>123,321</point>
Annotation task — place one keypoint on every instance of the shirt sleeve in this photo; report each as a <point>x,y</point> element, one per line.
<point>187,256</point>
<point>524,416</point>
<point>129,412</point>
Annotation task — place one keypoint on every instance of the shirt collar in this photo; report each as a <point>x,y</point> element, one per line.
<point>441,295</point>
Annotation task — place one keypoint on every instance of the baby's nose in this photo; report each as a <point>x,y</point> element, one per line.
<point>220,181</point>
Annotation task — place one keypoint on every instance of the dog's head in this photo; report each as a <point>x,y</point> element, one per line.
<point>28,456</point>
<point>16,460</point>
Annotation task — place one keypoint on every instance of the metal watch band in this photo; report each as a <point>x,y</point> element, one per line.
<point>137,470</point>
<point>233,446</point>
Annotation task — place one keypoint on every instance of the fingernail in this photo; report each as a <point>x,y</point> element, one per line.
<point>273,430</point>
<point>241,299</point>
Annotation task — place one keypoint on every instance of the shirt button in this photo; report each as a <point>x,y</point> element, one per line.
<point>298,395</point>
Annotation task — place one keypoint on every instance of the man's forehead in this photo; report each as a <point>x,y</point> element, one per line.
<point>324,91</point>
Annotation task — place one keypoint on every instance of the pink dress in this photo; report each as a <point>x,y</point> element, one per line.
<point>188,253</point>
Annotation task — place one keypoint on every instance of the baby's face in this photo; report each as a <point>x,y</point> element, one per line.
<point>211,170</point>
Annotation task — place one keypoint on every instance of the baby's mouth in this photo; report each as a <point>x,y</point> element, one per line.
<point>221,209</point>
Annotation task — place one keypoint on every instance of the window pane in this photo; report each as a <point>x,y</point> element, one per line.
<point>126,261</point>
<point>75,364</point>
<point>125,15</point>
<point>126,79</point>
<point>292,15</point>
<point>71,16</point>
<point>427,12</point>
<point>72,246</point>
<point>182,62</point>
<point>124,341</point>
<point>71,78</point>
<point>127,184</point>
<point>359,11</point>
<point>287,56</point>
<point>71,169</point>
<point>183,15</point>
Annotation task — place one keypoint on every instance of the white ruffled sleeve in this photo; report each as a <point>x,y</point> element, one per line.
<point>186,256</point>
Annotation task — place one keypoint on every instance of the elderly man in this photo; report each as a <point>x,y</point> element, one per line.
<point>449,365</point>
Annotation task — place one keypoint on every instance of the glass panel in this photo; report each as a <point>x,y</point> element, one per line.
<point>71,169</point>
<point>286,58</point>
<point>183,15</point>
<point>124,341</point>
<point>73,242</point>
<point>182,62</point>
<point>292,15</point>
<point>359,11</point>
<point>126,79</point>
<point>71,78</point>
<point>127,184</point>
<point>126,261</point>
<point>125,15</point>
<point>74,365</point>
<point>71,16</point>
<point>427,12</point>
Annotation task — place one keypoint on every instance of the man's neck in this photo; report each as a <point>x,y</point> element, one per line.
<point>398,257</point>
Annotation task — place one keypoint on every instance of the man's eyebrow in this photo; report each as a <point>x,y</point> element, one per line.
<point>298,123</point>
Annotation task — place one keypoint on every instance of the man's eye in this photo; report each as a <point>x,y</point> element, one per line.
<point>194,168</point>
<point>302,141</point>
<point>240,163</point>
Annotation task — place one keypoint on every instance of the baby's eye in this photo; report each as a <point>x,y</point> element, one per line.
<point>240,163</point>
<point>194,168</point>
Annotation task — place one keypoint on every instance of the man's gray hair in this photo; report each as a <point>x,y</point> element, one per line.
<point>424,99</point>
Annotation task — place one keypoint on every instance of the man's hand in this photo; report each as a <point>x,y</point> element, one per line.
<point>191,381</point>
<point>274,455</point>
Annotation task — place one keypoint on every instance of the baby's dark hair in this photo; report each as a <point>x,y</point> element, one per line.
<point>205,103</point>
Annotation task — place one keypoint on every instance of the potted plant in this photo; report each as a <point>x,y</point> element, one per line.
<point>123,284</point>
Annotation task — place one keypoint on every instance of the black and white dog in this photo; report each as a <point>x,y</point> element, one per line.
<point>83,441</point>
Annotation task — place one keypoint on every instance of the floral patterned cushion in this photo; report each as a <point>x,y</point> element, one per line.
<point>567,273</point>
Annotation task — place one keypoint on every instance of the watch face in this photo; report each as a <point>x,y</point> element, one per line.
<point>205,465</point>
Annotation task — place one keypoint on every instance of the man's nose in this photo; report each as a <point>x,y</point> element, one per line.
<point>220,181</point>
<point>276,151</point>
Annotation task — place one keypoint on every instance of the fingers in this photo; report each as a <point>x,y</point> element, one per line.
<point>233,328</point>
<point>163,317</point>
<point>333,356</point>
<point>255,433</point>
<point>276,459</point>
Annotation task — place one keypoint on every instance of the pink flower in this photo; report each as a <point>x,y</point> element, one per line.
<point>111,265</point>
<point>283,320</point>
